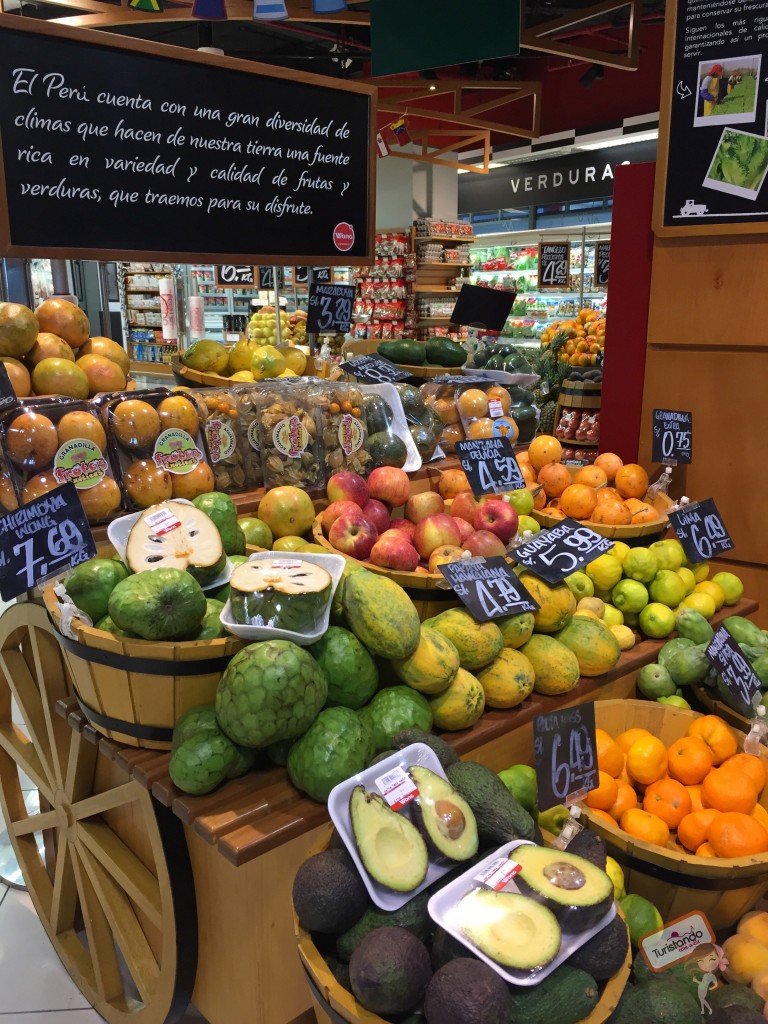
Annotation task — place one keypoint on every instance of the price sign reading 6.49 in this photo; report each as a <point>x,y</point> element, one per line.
<point>701,531</point>
<point>564,549</point>
<point>565,750</point>
<point>330,308</point>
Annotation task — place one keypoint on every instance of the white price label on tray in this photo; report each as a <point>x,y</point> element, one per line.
<point>397,788</point>
<point>498,874</point>
<point>287,563</point>
<point>162,521</point>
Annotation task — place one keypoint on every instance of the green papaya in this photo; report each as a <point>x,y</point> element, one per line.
<point>692,625</point>
<point>760,668</point>
<point>405,351</point>
<point>745,632</point>
<point>381,615</point>
<point>671,647</point>
<point>688,665</point>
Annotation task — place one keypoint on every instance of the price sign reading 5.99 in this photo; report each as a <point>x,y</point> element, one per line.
<point>565,751</point>
<point>556,553</point>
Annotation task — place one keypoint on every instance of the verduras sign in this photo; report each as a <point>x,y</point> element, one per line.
<point>586,175</point>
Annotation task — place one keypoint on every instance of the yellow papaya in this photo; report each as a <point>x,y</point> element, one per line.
<point>432,666</point>
<point>508,680</point>
<point>556,603</point>
<point>556,668</point>
<point>381,615</point>
<point>596,648</point>
<point>461,705</point>
<point>516,630</point>
<point>478,643</point>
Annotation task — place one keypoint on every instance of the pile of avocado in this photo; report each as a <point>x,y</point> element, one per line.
<point>502,357</point>
<point>436,352</point>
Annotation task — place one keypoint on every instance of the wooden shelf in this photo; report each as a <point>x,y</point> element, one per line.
<point>443,265</point>
<point>436,291</point>
<point>433,320</point>
<point>461,239</point>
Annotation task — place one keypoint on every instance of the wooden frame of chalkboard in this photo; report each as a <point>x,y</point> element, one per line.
<point>349,243</point>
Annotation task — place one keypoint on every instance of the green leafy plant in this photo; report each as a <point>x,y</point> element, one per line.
<point>740,160</point>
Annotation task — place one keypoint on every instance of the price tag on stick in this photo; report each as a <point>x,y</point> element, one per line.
<point>45,537</point>
<point>488,587</point>
<point>374,370</point>
<point>701,531</point>
<point>734,669</point>
<point>330,308</point>
<point>565,750</point>
<point>556,553</point>
<point>672,437</point>
<point>490,465</point>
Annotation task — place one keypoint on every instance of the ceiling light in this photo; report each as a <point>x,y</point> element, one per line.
<point>621,140</point>
<point>432,88</point>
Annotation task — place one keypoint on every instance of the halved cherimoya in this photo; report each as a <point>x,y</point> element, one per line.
<point>175,535</point>
<point>511,929</point>
<point>282,593</point>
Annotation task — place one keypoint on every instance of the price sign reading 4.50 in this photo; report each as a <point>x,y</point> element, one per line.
<point>564,549</point>
<point>488,587</point>
<point>565,749</point>
<point>701,531</point>
<point>490,465</point>
<point>734,669</point>
<point>41,539</point>
<point>330,308</point>
<point>374,370</point>
<point>672,436</point>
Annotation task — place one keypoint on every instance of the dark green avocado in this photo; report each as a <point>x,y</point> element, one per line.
<point>500,818</point>
<point>390,846</point>
<point>566,996</point>
<point>443,817</point>
<point>605,952</point>
<point>467,991</point>
<point>328,893</point>
<point>590,846</point>
<point>389,972</point>
<point>577,893</point>
<point>445,753</point>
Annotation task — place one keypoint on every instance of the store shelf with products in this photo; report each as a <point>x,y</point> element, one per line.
<point>139,290</point>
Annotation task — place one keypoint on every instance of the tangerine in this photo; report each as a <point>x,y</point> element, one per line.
<point>603,816</point>
<point>554,478</point>
<point>668,800</point>
<point>729,790</point>
<point>760,814</point>
<point>177,413</point>
<point>716,734</point>
<point>578,501</point>
<point>695,795</point>
<point>705,850</point>
<point>603,797</point>
<point>751,765</point>
<point>610,757</point>
<point>690,760</point>
<point>82,425</point>
<point>609,463</point>
<point>543,450</point>
<point>592,476</point>
<point>643,825</point>
<point>647,760</point>
<point>629,736</point>
<point>31,440</point>
<point>625,800</point>
<point>733,834</point>
<point>631,481</point>
<point>692,830</point>
<point>135,424</point>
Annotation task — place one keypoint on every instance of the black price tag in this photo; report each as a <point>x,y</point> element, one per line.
<point>701,531</point>
<point>555,553</point>
<point>230,275</point>
<point>301,275</point>
<point>490,465</point>
<point>734,669</point>
<point>672,436</point>
<point>565,749</point>
<point>602,264</point>
<point>43,538</point>
<point>488,587</point>
<point>374,370</point>
<point>554,264</point>
<point>321,275</point>
<point>330,308</point>
<point>8,399</point>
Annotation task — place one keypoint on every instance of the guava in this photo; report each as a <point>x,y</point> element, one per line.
<point>393,709</point>
<point>336,746</point>
<point>350,670</point>
<point>256,532</point>
<point>158,604</point>
<point>91,584</point>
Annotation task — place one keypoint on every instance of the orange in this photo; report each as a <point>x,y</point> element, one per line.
<point>668,800</point>
<point>627,738</point>
<point>602,816</point>
<point>543,450</point>
<point>592,476</point>
<point>695,794</point>
<point>554,478</point>
<point>729,790</point>
<point>642,511</point>
<point>603,797</point>
<point>705,850</point>
<point>690,760</point>
<point>625,801</point>
<point>610,757</point>
<point>692,830</point>
<point>631,481</point>
<point>716,734</point>
<point>751,765</point>
<point>578,501</point>
<point>647,760</point>
<point>501,395</point>
<point>737,835</point>
<point>643,825</point>
<point>760,814</point>
<point>611,513</point>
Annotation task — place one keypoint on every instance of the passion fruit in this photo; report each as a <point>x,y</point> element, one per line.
<point>190,485</point>
<point>39,485</point>
<point>147,485</point>
<point>65,319</point>
<point>83,426</point>
<point>31,440</point>
<point>49,346</point>
<point>8,498</point>
<point>18,375</point>
<point>179,413</point>
<point>101,501</point>
<point>135,424</point>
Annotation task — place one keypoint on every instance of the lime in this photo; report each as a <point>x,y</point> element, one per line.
<point>527,523</point>
<point>632,619</point>
<point>669,553</point>
<point>604,572</point>
<point>668,588</point>
<point>688,579</point>
<point>641,564</point>
<point>612,616</point>
<point>520,780</point>
<point>654,681</point>
<point>701,603</point>
<point>700,570</point>
<point>256,532</point>
<point>616,875</point>
<point>629,596</point>
<point>642,917</point>
<point>289,543</point>
<point>619,551</point>
<point>732,586</point>
<point>580,585</point>
<point>604,595</point>
<point>675,701</point>
<point>714,590</point>
<point>521,501</point>
<point>624,637</point>
<point>657,620</point>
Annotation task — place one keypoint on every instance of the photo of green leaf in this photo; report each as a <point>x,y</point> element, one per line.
<point>741,160</point>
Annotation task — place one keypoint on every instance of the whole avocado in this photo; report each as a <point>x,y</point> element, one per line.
<point>389,972</point>
<point>158,604</point>
<point>90,585</point>
<point>335,746</point>
<point>270,691</point>
<point>466,991</point>
<point>328,893</point>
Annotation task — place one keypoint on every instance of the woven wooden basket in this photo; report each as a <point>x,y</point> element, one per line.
<point>648,531</point>
<point>185,375</point>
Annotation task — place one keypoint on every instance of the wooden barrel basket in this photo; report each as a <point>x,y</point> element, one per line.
<point>134,691</point>
<point>677,881</point>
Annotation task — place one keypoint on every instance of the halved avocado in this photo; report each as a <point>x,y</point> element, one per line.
<point>390,847</point>
<point>511,929</point>
<point>444,817</point>
<point>578,893</point>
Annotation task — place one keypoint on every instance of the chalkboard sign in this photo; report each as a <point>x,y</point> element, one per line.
<point>330,308</point>
<point>487,306</point>
<point>701,531</point>
<point>734,669</point>
<point>374,369</point>
<point>554,264</point>
<point>490,465</point>
<point>322,275</point>
<point>267,278</point>
<point>555,553</point>
<point>8,397</point>
<point>43,538</point>
<point>234,275</point>
<point>602,264</point>
<point>114,146</point>
<point>488,587</point>
<point>713,144</point>
<point>301,275</point>
<point>565,751</point>
<point>672,436</point>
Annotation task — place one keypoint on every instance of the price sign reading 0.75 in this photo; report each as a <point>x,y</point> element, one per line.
<point>564,747</point>
<point>330,308</point>
<point>672,436</point>
<point>701,531</point>
<point>735,670</point>
<point>43,538</point>
<point>564,549</point>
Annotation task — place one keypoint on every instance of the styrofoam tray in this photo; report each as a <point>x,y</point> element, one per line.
<point>443,909</point>
<point>391,396</point>
<point>522,380</point>
<point>119,530</point>
<point>338,808</point>
<point>333,564</point>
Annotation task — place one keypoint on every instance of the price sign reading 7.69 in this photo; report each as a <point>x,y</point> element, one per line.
<point>564,549</point>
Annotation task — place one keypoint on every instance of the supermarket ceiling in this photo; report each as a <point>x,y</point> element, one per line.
<point>579,65</point>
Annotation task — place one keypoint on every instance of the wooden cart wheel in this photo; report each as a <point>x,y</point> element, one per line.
<point>125,932</point>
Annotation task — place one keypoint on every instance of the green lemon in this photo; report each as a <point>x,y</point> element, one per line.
<point>669,553</point>
<point>668,588</point>
<point>701,603</point>
<point>604,572</point>
<point>688,579</point>
<point>520,780</point>
<point>527,523</point>
<point>290,543</point>
<point>614,871</point>
<point>657,620</point>
<point>642,916</point>
<point>612,616</point>
<point>700,570</point>
<point>619,551</point>
<point>580,585</point>
<point>674,701</point>
<point>641,564</point>
<point>521,501</point>
<point>654,681</point>
<point>732,586</point>
<point>630,596</point>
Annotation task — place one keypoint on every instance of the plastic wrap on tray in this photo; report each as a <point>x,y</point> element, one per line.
<point>229,414</point>
<point>290,432</point>
<point>344,426</point>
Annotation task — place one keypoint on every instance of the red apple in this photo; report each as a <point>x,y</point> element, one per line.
<point>347,487</point>
<point>499,517</point>
<point>485,544</point>
<point>465,529</point>
<point>336,509</point>
<point>420,506</point>
<point>405,525</point>
<point>378,513</point>
<point>353,535</point>
<point>393,550</point>
<point>434,531</point>
<point>389,484</point>
<point>464,506</point>
<point>445,553</point>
